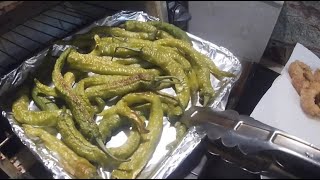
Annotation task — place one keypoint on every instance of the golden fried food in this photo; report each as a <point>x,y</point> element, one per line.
<point>301,75</point>
<point>309,99</point>
<point>316,75</point>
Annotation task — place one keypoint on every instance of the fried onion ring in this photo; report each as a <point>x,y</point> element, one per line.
<point>301,75</point>
<point>309,97</point>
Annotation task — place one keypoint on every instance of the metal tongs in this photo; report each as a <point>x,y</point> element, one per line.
<point>255,146</point>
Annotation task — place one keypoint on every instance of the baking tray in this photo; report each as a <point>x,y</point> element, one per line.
<point>164,161</point>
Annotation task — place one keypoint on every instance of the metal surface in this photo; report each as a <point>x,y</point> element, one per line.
<point>21,41</point>
<point>255,146</point>
<point>164,161</point>
<point>242,27</point>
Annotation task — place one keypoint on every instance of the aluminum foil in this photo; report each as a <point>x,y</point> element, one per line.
<point>164,161</point>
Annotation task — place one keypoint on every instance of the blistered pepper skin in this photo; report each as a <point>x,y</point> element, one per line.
<point>37,118</point>
<point>131,169</point>
<point>82,114</point>
<point>172,30</point>
<point>75,140</point>
<point>112,122</point>
<point>78,108</point>
<point>159,58</point>
<point>125,85</point>
<point>86,40</point>
<point>72,163</point>
<point>203,66</point>
<point>43,103</point>
<point>139,26</point>
<point>96,64</point>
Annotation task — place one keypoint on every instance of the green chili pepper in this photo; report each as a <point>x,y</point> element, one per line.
<point>79,90</point>
<point>96,64</point>
<point>42,102</point>
<point>172,30</point>
<point>195,56</point>
<point>124,86</point>
<point>191,74</point>
<point>194,86</point>
<point>95,80</point>
<point>86,41</point>
<point>159,58</point>
<point>71,162</point>
<point>124,110</point>
<point>170,105</point>
<point>129,61</point>
<point>144,152</point>
<point>206,91</point>
<point>181,130</point>
<point>114,31</point>
<point>51,91</point>
<point>173,54</point>
<point>139,26</point>
<point>100,104</point>
<point>201,64</point>
<point>82,115</point>
<point>43,89</point>
<point>163,35</point>
<point>37,118</point>
<point>75,140</point>
<point>69,78</point>
<point>129,147</point>
<point>101,79</point>
<point>111,122</point>
<point>168,110</point>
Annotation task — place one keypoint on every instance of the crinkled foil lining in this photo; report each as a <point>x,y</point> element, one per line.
<point>163,162</point>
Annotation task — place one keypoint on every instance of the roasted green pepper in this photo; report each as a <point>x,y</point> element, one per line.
<point>144,152</point>
<point>71,162</point>
<point>75,140</point>
<point>156,56</point>
<point>81,112</point>
<point>127,85</point>
<point>97,64</point>
<point>172,30</point>
<point>37,118</point>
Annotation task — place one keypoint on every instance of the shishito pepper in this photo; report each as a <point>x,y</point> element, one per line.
<point>71,162</point>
